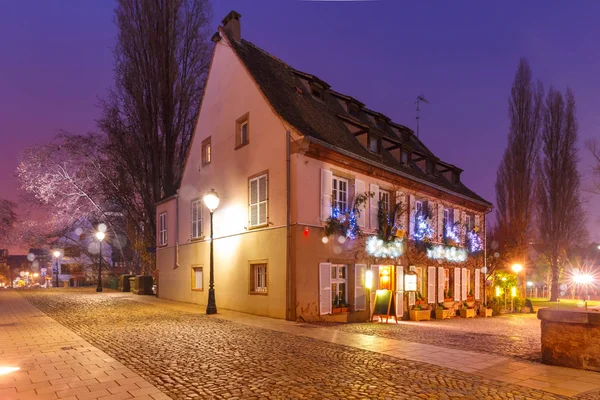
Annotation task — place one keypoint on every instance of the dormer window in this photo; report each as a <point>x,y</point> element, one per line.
<point>317,91</point>
<point>405,157</point>
<point>353,110</point>
<point>455,177</point>
<point>430,167</point>
<point>373,144</point>
<point>382,124</point>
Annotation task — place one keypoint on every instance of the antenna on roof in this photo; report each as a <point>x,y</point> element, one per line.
<point>420,99</point>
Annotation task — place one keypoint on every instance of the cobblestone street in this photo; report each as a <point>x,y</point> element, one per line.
<point>191,356</point>
<point>513,335</point>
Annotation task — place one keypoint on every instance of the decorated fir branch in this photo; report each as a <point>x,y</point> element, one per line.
<point>345,222</point>
<point>423,227</point>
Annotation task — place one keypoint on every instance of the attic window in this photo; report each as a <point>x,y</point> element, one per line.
<point>405,157</point>
<point>316,91</point>
<point>353,110</point>
<point>382,124</point>
<point>455,178</point>
<point>373,144</point>
<point>430,167</point>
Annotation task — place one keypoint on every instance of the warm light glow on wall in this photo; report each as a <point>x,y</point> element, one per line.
<point>7,370</point>
<point>369,279</point>
<point>513,291</point>
<point>498,291</point>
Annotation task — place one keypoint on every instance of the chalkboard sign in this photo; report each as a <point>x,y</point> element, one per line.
<point>384,305</point>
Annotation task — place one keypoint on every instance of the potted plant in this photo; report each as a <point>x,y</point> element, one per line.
<point>344,307</point>
<point>487,310</point>
<point>420,313</point>
<point>467,311</point>
<point>335,307</point>
<point>442,312</point>
<point>419,299</point>
<point>470,295</point>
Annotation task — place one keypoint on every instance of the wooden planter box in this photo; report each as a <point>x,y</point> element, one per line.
<point>340,310</point>
<point>443,314</point>
<point>467,312</point>
<point>420,315</point>
<point>487,312</point>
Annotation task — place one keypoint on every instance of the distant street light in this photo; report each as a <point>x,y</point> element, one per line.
<point>100,236</point>
<point>57,263</point>
<point>518,268</point>
<point>211,201</point>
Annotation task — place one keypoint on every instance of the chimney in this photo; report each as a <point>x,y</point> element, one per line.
<point>231,25</point>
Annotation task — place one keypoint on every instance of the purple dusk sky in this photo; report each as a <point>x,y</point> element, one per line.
<point>57,61</point>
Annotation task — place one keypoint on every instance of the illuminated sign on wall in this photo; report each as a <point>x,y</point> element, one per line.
<point>410,282</point>
<point>440,252</point>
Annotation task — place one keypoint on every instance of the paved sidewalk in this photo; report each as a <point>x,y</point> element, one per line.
<point>552,379</point>
<point>55,363</point>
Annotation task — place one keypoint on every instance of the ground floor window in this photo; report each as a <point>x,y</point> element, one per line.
<point>258,278</point>
<point>339,284</point>
<point>197,279</point>
<point>447,282</point>
<point>419,272</point>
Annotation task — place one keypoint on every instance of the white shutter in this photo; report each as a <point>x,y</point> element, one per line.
<point>456,284</point>
<point>325,288</point>
<point>431,285</point>
<point>399,291</point>
<point>326,189</point>
<point>411,214</point>
<point>477,283</point>
<point>374,206</point>
<point>441,284</point>
<point>440,222</point>
<point>477,221</point>
<point>360,297</point>
<point>411,295</point>
<point>375,283</point>
<point>262,200</point>
<point>359,188</point>
<point>253,202</point>
<point>463,221</point>
<point>463,285</point>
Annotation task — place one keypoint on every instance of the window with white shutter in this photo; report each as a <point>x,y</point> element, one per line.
<point>339,192</point>
<point>196,218</point>
<point>258,201</point>
<point>359,188</point>
<point>477,283</point>
<point>441,284</point>
<point>463,286</point>
<point>325,288</point>
<point>411,295</point>
<point>360,294</point>
<point>162,229</point>
<point>374,206</point>
<point>431,285</point>
<point>456,284</point>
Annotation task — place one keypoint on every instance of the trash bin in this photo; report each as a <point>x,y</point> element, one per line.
<point>133,284</point>
<point>143,285</point>
<point>124,283</point>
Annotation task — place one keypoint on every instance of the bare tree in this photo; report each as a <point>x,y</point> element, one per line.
<point>161,60</point>
<point>8,219</point>
<point>515,181</point>
<point>561,219</point>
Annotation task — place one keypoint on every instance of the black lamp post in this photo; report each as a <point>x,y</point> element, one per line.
<point>211,201</point>
<point>56,257</point>
<point>100,237</point>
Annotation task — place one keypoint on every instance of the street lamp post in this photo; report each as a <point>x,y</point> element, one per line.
<point>57,262</point>
<point>516,269</point>
<point>211,201</point>
<point>100,237</point>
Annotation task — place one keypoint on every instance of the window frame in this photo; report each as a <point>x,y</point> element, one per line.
<point>193,283</point>
<point>335,191</point>
<point>469,223</point>
<point>389,198</point>
<point>162,229</point>
<point>206,155</point>
<point>377,141</point>
<point>266,201</point>
<point>199,219</point>
<point>253,289</point>
<point>239,123</point>
<point>337,281</point>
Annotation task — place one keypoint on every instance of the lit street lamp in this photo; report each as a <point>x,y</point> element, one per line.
<point>100,237</point>
<point>584,280</point>
<point>57,261</point>
<point>211,201</point>
<point>516,269</point>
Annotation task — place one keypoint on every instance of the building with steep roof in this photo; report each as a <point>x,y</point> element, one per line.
<point>316,189</point>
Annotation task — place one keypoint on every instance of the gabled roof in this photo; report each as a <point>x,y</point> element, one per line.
<point>285,89</point>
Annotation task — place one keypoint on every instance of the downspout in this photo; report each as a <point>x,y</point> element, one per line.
<point>177,229</point>
<point>485,275</point>
<point>290,314</point>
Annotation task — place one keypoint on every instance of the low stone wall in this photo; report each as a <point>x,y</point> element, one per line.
<point>571,338</point>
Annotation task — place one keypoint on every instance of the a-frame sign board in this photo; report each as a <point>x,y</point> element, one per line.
<point>384,305</point>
